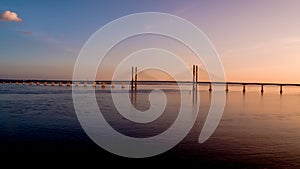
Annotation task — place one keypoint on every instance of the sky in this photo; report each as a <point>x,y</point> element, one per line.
<point>257,40</point>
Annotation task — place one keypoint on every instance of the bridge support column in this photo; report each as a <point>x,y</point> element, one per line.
<point>262,89</point>
<point>103,85</point>
<point>227,89</point>
<point>280,89</point>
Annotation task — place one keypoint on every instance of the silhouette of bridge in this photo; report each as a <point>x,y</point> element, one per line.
<point>134,82</point>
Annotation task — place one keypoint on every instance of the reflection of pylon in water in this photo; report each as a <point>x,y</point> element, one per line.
<point>133,97</point>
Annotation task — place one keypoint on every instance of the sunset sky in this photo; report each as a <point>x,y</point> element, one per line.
<point>257,40</point>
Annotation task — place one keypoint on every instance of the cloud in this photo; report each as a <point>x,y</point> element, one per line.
<point>10,16</point>
<point>25,32</point>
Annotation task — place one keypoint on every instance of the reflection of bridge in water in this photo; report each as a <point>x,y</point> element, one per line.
<point>134,82</point>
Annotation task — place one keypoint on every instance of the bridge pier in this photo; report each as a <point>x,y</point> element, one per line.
<point>280,89</point>
<point>227,89</point>
<point>244,88</point>
<point>103,84</point>
<point>262,89</point>
<point>210,88</point>
<point>123,85</point>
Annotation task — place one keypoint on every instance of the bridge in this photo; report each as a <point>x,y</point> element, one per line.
<point>134,82</point>
<point>103,84</point>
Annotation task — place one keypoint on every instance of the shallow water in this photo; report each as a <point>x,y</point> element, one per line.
<point>256,131</point>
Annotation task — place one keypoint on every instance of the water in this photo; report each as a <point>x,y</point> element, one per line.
<point>256,131</point>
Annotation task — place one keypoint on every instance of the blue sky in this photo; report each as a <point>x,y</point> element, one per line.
<point>52,32</point>
<point>255,39</point>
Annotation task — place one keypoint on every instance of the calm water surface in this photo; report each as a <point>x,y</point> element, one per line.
<point>256,131</point>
